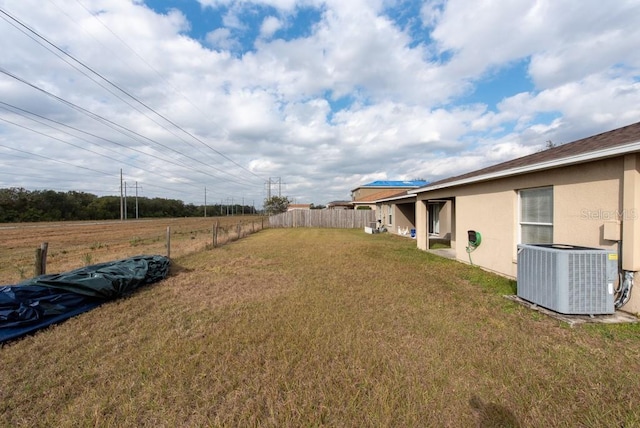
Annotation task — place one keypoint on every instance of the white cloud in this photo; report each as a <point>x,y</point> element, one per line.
<point>269,26</point>
<point>273,108</point>
<point>431,12</point>
<point>222,39</point>
<point>232,20</point>
<point>564,40</point>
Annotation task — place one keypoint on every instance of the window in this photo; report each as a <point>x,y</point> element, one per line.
<point>390,212</point>
<point>536,216</point>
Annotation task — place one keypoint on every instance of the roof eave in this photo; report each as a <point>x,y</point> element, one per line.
<point>570,160</point>
<point>397,198</point>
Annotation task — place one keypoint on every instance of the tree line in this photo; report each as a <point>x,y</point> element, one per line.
<point>21,205</point>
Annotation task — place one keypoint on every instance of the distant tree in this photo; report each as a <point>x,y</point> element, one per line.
<point>20,205</point>
<point>104,208</point>
<point>317,207</point>
<point>276,204</point>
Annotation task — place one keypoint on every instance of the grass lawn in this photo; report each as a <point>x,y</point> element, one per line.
<point>310,327</point>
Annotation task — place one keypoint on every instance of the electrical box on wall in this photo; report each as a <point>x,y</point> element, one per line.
<point>611,230</point>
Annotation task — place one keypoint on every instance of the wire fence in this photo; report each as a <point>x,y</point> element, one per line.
<point>29,249</point>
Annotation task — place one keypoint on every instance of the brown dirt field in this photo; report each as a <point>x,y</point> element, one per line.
<point>75,244</point>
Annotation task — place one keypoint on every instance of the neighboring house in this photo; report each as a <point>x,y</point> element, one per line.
<point>583,193</point>
<point>377,186</point>
<point>367,194</point>
<point>369,201</point>
<point>293,207</point>
<point>340,205</point>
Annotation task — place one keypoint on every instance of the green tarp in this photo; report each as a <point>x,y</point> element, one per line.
<point>48,299</point>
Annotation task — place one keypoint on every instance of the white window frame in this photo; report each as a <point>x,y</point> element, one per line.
<point>521,222</point>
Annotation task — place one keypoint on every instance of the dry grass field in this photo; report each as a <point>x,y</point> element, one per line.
<point>75,244</point>
<point>311,327</point>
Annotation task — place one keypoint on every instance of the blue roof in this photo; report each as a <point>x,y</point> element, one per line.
<point>390,183</point>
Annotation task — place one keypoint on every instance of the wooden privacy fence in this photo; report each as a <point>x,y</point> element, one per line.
<point>343,219</point>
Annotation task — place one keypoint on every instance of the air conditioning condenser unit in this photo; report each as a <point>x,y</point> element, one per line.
<point>568,279</point>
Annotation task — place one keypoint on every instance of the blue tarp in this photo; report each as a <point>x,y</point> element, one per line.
<point>49,299</point>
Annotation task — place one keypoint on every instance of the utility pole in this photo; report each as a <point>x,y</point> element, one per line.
<point>136,200</point>
<point>205,201</point>
<point>125,200</point>
<point>121,198</point>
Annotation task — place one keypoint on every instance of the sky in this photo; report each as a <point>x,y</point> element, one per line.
<point>229,101</point>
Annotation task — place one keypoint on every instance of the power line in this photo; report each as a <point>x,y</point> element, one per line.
<point>23,113</point>
<point>48,42</point>
<point>57,160</point>
<point>140,57</point>
<point>118,128</point>
<point>115,126</point>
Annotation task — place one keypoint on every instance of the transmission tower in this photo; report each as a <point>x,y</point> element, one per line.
<point>272,182</point>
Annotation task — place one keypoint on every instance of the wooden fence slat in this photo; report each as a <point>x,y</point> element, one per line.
<point>344,219</point>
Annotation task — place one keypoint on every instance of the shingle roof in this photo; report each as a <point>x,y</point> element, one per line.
<point>617,137</point>
<point>380,195</point>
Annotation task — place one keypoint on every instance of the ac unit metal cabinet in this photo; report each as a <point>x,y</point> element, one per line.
<point>567,279</point>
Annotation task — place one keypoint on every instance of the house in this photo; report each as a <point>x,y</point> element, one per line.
<point>293,207</point>
<point>585,193</point>
<point>365,196</point>
<point>379,185</point>
<point>339,205</point>
<point>369,202</point>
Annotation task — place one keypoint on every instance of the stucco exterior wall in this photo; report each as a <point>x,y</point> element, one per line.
<point>445,220</point>
<point>493,215</point>
<point>585,196</point>
<point>404,216</point>
<point>361,193</point>
<point>422,239</point>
